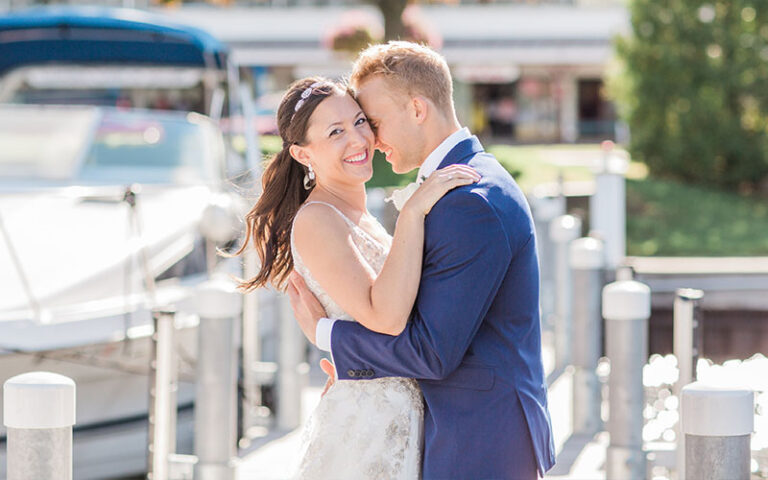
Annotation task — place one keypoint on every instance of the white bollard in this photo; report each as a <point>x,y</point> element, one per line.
<point>586,258</point>
<point>608,205</point>
<point>718,423</point>
<point>251,348</point>
<point>219,305</point>
<point>292,370</point>
<point>544,210</point>
<point>626,309</point>
<point>384,211</point>
<point>39,411</point>
<point>685,334</point>
<point>162,395</point>
<point>562,231</point>
<point>686,344</point>
<point>376,203</point>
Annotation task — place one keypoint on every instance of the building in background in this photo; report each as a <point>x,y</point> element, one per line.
<point>525,71</point>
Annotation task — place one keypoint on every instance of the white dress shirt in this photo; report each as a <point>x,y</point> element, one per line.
<point>325,325</point>
<point>434,159</point>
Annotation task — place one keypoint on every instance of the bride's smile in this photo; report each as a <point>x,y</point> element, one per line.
<point>358,159</point>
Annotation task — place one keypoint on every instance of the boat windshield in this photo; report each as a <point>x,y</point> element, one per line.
<point>90,145</point>
<point>43,143</point>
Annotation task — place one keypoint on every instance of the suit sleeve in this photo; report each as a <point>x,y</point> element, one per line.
<point>466,258</point>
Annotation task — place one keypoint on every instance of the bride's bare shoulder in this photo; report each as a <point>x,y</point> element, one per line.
<point>317,225</point>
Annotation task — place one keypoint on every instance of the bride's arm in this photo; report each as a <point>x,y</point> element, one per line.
<point>380,303</point>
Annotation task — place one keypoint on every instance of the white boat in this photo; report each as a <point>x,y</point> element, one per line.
<point>106,214</point>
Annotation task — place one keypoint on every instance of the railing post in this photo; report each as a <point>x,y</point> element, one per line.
<point>626,309</point>
<point>291,368</point>
<point>608,205</point>
<point>545,209</point>
<point>162,395</point>
<point>717,423</point>
<point>563,230</point>
<point>219,305</point>
<point>686,344</point>
<point>586,258</point>
<point>251,339</point>
<point>39,411</point>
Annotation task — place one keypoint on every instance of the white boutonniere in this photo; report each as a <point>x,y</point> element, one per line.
<point>399,197</point>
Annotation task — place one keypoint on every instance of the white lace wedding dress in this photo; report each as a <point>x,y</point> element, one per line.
<point>361,429</point>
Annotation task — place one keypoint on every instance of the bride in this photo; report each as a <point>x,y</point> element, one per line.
<point>312,217</point>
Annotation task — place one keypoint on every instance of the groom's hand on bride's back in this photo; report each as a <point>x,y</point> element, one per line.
<point>306,307</point>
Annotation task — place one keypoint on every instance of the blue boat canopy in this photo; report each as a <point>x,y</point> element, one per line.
<point>100,35</point>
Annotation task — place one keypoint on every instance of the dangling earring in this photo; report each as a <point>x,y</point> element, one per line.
<point>309,178</point>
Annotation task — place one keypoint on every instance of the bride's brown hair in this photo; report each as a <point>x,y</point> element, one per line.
<point>268,223</point>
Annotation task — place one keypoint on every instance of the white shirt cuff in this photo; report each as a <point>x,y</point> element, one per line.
<point>323,334</point>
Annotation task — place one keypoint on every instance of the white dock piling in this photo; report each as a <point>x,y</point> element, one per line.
<point>163,385</point>
<point>292,369</point>
<point>685,333</point>
<point>252,400</point>
<point>686,343</point>
<point>586,258</point>
<point>626,309</point>
<point>563,230</point>
<point>219,305</point>
<point>718,423</point>
<point>39,411</point>
<point>608,205</point>
<point>545,209</point>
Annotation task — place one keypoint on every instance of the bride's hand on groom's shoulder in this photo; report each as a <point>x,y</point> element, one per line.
<point>438,184</point>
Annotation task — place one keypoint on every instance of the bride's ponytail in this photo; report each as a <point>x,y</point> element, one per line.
<point>268,224</point>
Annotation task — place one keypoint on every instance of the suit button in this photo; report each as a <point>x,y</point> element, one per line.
<point>369,373</point>
<point>351,372</point>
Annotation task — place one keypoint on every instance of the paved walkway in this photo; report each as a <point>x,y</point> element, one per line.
<point>578,458</point>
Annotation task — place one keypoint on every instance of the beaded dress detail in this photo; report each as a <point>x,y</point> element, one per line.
<point>361,429</point>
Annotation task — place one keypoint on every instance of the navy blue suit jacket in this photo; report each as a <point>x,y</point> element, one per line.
<point>474,338</point>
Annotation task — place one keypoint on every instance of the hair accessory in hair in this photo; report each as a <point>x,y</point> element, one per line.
<point>305,95</point>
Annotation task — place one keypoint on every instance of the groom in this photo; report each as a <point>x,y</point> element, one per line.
<point>473,340</point>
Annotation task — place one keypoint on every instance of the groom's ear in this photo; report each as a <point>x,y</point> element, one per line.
<point>419,108</point>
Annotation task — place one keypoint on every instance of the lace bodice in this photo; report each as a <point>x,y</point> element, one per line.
<point>372,250</point>
<point>380,419</point>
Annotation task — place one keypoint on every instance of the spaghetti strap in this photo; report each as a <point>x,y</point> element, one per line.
<point>346,219</point>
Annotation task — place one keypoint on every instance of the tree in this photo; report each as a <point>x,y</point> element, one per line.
<point>694,90</point>
<point>392,12</point>
<point>401,22</point>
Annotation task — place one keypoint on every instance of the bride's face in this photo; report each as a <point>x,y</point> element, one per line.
<point>340,142</point>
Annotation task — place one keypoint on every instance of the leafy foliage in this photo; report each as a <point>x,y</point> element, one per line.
<point>694,90</point>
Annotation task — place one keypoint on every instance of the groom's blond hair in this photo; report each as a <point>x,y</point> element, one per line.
<point>407,67</point>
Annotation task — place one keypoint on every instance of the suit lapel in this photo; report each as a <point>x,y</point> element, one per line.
<point>462,151</point>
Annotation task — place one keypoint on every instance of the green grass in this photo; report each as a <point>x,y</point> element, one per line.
<point>531,165</point>
<point>664,218</point>
<point>669,219</point>
<point>270,144</point>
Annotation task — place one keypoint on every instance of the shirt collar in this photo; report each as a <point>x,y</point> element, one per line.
<point>433,159</point>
